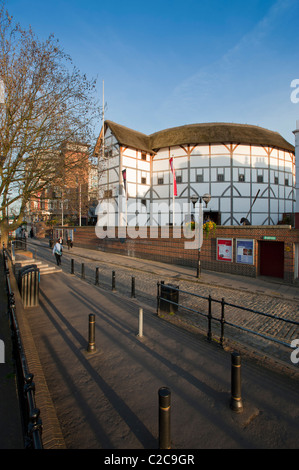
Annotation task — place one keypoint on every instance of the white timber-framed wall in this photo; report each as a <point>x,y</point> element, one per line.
<point>133,205</point>
<point>232,173</point>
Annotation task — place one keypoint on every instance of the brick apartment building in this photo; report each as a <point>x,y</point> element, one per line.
<point>66,199</point>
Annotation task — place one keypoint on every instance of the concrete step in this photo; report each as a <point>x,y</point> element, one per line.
<point>49,270</point>
<point>43,267</point>
<point>22,263</point>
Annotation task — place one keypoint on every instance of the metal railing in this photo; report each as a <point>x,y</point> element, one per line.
<point>221,317</point>
<point>30,413</point>
<point>16,245</point>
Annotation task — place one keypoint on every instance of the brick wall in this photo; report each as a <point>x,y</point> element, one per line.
<point>173,249</point>
<point>281,233</point>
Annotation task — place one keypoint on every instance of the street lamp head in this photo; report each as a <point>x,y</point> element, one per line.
<point>194,199</point>
<point>206,198</point>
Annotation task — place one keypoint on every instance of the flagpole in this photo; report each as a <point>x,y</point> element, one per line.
<point>125,187</point>
<point>126,199</point>
<point>173,204</point>
<point>173,176</point>
<point>103,154</point>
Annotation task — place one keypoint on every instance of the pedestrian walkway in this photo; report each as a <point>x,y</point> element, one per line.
<point>108,399</point>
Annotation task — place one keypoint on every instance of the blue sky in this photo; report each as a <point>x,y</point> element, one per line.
<point>168,63</point>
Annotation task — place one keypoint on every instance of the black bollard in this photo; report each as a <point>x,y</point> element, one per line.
<point>164,418</point>
<point>236,399</point>
<point>72,266</point>
<point>158,298</point>
<point>113,280</point>
<point>83,271</point>
<point>133,287</point>
<point>210,319</point>
<point>91,333</point>
<point>97,277</point>
<point>222,323</point>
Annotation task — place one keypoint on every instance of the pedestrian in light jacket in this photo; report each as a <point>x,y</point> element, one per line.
<point>57,251</point>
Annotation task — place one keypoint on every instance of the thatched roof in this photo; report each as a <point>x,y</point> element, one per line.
<point>214,133</point>
<point>218,133</point>
<point>129,137</point>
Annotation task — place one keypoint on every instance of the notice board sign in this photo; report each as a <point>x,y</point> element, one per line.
<point>224,249</point>
<point>244,251</point>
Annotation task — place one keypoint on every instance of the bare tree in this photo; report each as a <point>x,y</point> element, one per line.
<point>46,102</point>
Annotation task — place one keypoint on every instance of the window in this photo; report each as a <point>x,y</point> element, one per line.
<point>108,153</point>
<point>143,180</point>
<point>143,202</point>
<point>179,179</point>
<point>260,178</point>
<point>220,177</point>
<point>242,178</point>
<point>160,180</point>
<point>63,204</point>
<point>143,156</point>
<point>107,193</point>
<point>199,178</point>
<point>286,182</point>
<point>275,179</point>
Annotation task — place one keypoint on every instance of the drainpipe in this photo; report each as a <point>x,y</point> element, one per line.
<point>296,133</point>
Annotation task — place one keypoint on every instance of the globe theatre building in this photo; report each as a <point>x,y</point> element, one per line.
<point>249,172</point>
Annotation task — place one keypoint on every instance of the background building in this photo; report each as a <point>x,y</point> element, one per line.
<point>66,199</point>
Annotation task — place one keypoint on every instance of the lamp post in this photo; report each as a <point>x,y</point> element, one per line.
<point>206,198</point>
<point>80,205</point>
<point>62,208</point>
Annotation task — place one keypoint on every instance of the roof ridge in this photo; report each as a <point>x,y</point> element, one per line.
<point>125,127</point>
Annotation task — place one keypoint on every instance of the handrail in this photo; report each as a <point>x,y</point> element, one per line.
<point>31,414</point>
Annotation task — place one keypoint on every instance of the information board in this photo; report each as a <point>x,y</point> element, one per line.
<point>224,249</point>
<point>244,251</point>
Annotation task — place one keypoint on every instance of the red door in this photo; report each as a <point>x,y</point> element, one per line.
<point>271,258</point>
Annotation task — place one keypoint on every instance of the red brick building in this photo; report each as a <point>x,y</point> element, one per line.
<point>66,198</point>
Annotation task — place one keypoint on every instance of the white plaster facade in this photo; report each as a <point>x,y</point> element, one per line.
<point>232,171</point>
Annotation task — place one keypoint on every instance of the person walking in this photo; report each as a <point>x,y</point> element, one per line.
<point>57,251</point>
<point>69,243</point>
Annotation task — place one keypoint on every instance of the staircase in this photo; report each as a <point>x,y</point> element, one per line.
<point>23,260</point>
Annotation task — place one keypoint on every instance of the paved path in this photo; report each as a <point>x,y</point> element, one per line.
<point>109,399</point>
